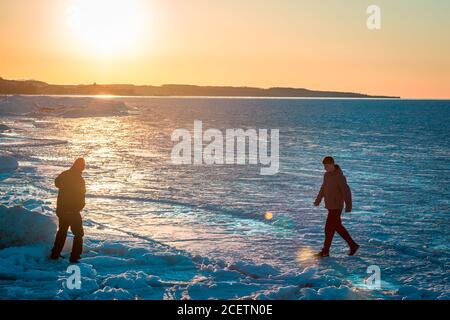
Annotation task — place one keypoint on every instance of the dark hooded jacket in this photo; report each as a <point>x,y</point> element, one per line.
<point>72,190</point>
<point>335,190</point>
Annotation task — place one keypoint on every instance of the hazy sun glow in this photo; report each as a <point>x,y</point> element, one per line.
<point>320,45</point>
<point>106,26</point>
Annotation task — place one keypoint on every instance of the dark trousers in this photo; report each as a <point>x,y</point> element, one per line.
<point>74,221</point>
<point>334,224</point>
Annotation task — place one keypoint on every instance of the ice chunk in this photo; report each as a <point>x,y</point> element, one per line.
<point>132,279</point>
<point>108,261</point>
<point>108,293</point>
<point>336,293</point>
<point>19,226</point>
<point>280,293</point>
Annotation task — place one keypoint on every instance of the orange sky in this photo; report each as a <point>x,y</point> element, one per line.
<point>323,45</point>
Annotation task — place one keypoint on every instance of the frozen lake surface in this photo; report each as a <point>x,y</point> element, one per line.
<point>394,153</point>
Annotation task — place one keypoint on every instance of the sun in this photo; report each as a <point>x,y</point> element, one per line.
<point>106,27</point>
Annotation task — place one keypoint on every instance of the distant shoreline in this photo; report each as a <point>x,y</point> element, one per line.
<point>201,97</point>
<point>212,97</point>
<point>33,87</point>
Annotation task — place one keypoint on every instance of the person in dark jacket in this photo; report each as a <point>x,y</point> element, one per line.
<point>71,200</point>
<point>336,192</point>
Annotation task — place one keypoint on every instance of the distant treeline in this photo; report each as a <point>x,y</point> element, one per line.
<point>39,87</point>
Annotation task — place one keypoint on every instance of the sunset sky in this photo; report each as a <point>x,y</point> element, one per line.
<point>323,45</point>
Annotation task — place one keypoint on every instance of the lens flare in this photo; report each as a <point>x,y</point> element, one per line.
<point>305,256</point>
<point>268,215</point>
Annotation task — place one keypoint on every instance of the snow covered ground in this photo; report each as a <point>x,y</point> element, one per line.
<point>128,268</point>
<point>155,231</point>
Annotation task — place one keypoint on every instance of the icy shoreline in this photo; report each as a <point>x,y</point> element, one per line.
<point>125,268</point>
<point>148,237</point>
<point>135,270</point>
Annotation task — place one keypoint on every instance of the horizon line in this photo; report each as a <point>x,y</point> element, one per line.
<point>369,96</point>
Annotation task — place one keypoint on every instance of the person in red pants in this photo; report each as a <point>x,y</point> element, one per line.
<point>336,192</point>
<point>71,200</point>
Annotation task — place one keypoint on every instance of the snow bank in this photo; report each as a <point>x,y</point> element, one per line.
<point>125,270</point>
<point>128,268</point>
<point>8,163</point>
<point>69,107</point>
<point>19,226</point>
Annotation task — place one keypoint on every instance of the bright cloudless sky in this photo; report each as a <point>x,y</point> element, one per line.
<point>320,44</point>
